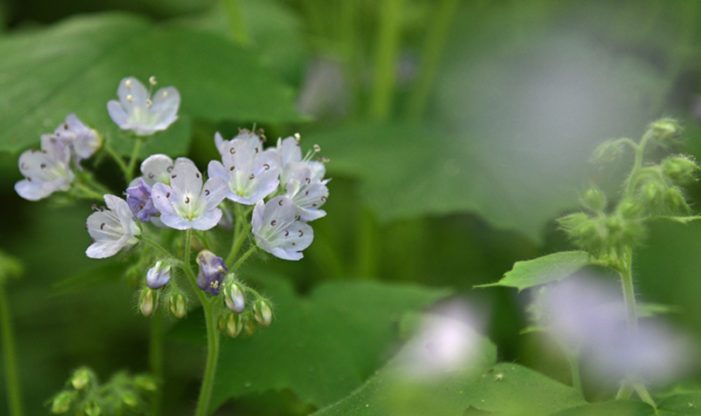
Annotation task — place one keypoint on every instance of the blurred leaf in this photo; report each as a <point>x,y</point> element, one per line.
<point>546,269</point>
<point>321,346</point>
<point>617,408</point>
<point>76,65</point>
<point>504,389</point>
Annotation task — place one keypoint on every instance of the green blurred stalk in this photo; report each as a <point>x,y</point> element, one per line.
<point>385,58</point>
<point>438,29</point>
<point>14,395</point>
<point>156,360</point>
<point>237,26</point>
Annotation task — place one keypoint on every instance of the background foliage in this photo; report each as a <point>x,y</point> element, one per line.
<point>457,132</point>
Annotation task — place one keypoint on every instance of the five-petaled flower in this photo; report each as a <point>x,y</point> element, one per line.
<point>307,189</point>
<point>140,112</point>
<point>278,228</point>
<point>45,171</point>
<point>81,139</point>
<point>250,172</point>
<point>212,272</point>
<point>186,203</point>
<point>112,229</point>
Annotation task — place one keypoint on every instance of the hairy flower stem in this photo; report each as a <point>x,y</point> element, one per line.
<point>14,395</point>
<point>241,230</point>
<point>133,158</point>
<point>212,333</point>
<point>155,357</point>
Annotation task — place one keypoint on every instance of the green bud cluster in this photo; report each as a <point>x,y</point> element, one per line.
<point>609,230</point>
<point>243,309</point>
<point>85,396</point>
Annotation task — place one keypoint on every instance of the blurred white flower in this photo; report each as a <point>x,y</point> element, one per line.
<point>278,230</point>
<point>81,139</point>
<point>45,171</point>
<point>140,112</point>
<point>112,229</point>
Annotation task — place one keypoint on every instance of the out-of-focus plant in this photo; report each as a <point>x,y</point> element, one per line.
<point>609,228</point>
<point>267,196</point>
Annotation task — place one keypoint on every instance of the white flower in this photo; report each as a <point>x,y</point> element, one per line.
<point>137,111</point>
<point>157,168</point>
<point>290,154</point>
<point>112,229</point>
<point>186,203</point>
<point>46,171</point>
<point>250,172</point>
<point>278,230</point>
<point>81,139</point>
<point>307,190</point>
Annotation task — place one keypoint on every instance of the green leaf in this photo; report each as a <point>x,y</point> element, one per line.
<point>617,408</point>
<point>321,346</point>
<point>76,65</point>
<point>546,269</point>
<point>502,389</point>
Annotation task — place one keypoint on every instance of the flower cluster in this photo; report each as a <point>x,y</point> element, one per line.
<point>269,196</point>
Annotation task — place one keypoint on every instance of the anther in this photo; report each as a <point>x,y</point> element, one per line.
<point>130,98</point>
<point>317,148</point>
<point>297,137</point>
<point>152,80</point>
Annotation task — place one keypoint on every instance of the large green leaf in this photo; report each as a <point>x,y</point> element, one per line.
<point>546,269</point>
<point>76,65</point>
<point>321,346</point>
<point>684,404</point>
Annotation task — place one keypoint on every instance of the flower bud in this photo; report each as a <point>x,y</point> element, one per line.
<point>93,409</point>
<point>233,325</point>
<point>177,305</point>
<point>158,275</point>
<point>81,378</point>
<point>628,209</point>
<point>249,326</point>
<point>212,272</point>
<point>665,129</point>
<point>262,312</point>
<point>607,151</point>
<point>130,399</point>
<point>146,302</point>
<point>674,198</point>
<point>145,382</point>
<point>233,297</point>
<point>594,199</point>
<point>680,169</point>
<point>62,402</point>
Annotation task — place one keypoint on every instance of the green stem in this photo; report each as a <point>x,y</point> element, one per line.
<point>237,26</point>
<point>628,290</point>
<point>241,229</point>
<point>367,246</point>
<point>153,243</point>
<point>133,158</point>
<point>117,159</point>
<point>637,164</point>
<point>14,395</point>
<point>83,191</point>
<point>212,334</point>
<point>386,58</point>
<point>438,29</point>
<point>244,257</point>
<point>575,372</point>
<point>156,361</point>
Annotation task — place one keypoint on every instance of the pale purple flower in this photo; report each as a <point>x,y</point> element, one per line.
<point>278,230</point>
<point>112,229</point>
<point>212,272</point>
<point>589,316</point>
<point>82,140</point>
<point>139,200</point>
<point>290,153</point>
<point>157,168</point>
<point>250,172</point>
<point>45,171</point>
<point>187,203</point>
<point>307,190</point>
<point>158,275</point>
<point>233,297</point>
<point>140,112</point>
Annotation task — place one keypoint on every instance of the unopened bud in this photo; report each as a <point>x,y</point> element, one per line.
<point>679,168</point>
<point>233,325</point>
<point>233,297</point>
<point>145,382</point>
<point>81,377</point>
<point>249,326</point>
<point>146,302</point>
<point>130,399</point>
<point>607,151</point>
<point>628,209</point>
<point>594,199</point>
<point>177,305</point>
<point>62,402</point>
<point>93,409</point>
<point>262,312</point>
<point>665,129</point>
<point>675,198</point>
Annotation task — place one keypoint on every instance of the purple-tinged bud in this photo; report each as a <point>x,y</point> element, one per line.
<point>177,305</point>
<point>233,297</point>
<point>139,200</point>
<point>262,312</point>
<point>158,275</point>
<point>146,303</point>
<point>212,272</point>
